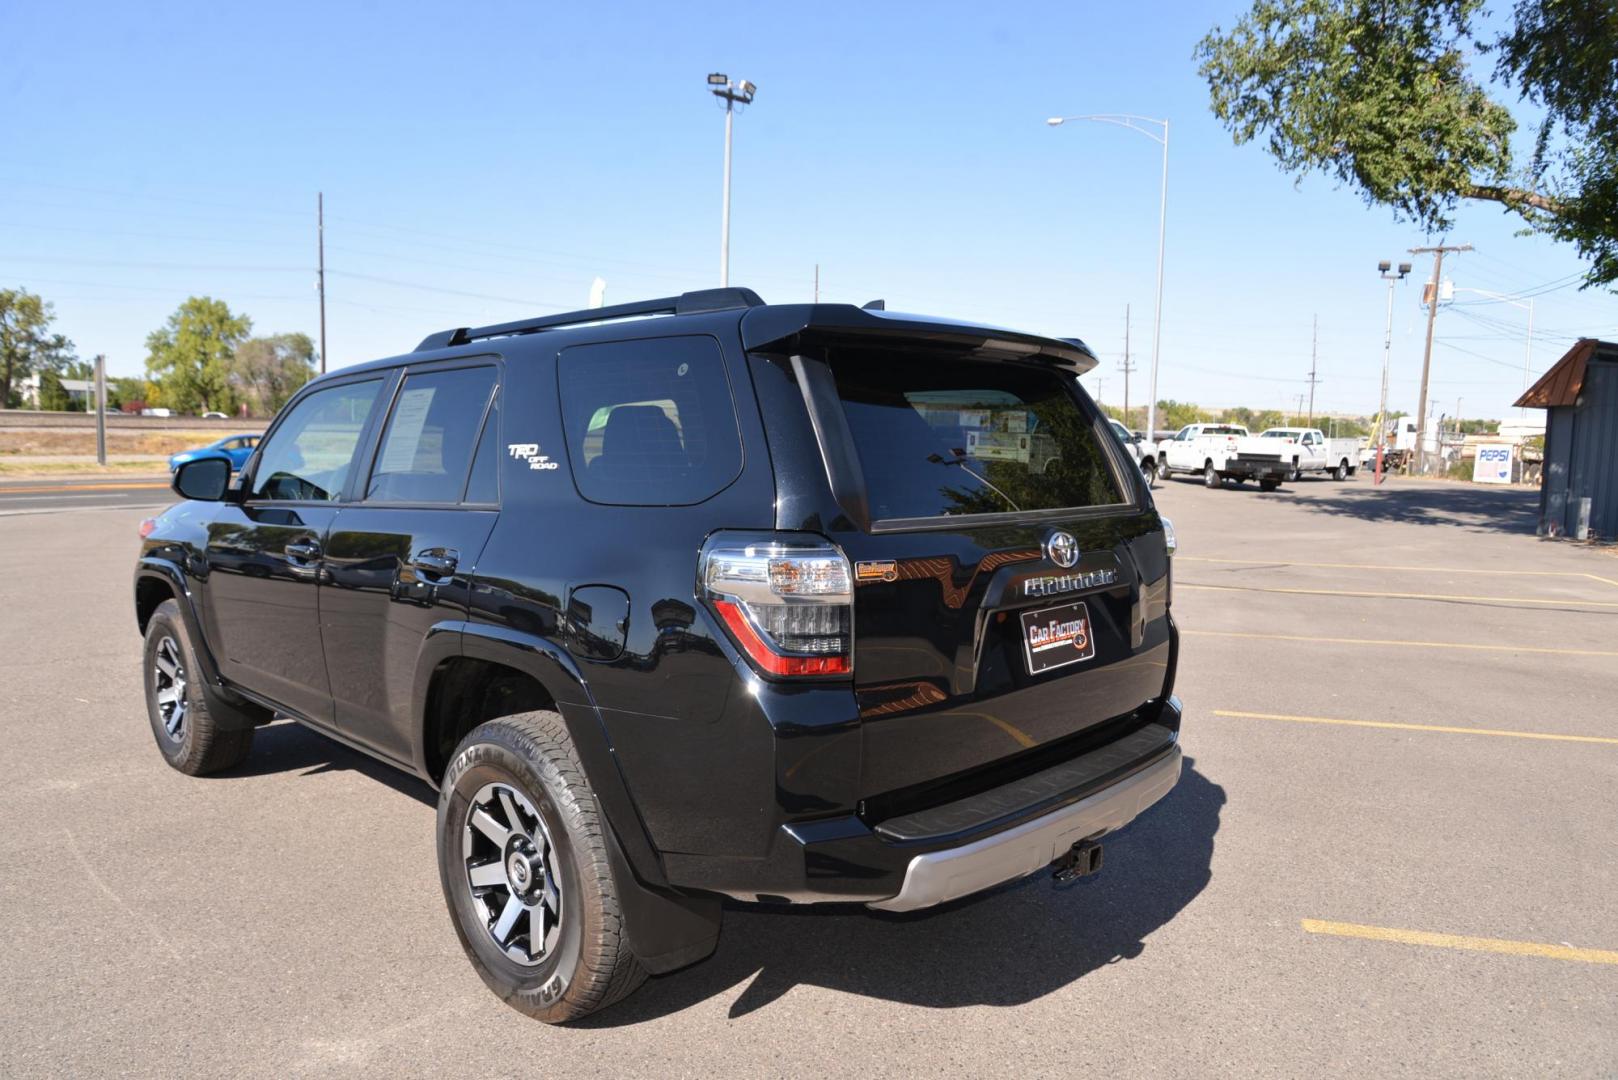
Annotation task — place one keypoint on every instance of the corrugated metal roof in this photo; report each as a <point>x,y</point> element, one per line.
<point>1562,383</point>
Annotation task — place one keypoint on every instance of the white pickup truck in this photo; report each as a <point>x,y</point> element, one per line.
<point>1310,451</point>
<point>1220,452</point>
<point>1144,456</point>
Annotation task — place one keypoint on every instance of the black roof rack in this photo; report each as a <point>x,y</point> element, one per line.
<point>689,303</point>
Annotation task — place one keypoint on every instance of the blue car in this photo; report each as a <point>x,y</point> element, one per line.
<point>237,448</point>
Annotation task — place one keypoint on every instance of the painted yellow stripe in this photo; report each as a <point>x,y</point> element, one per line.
<point>1546,600</point>
<point>1401,644</point>
<point>1402,569</point>
<point>59,489</point>
<point>1460,941</point>
<point>1417,727</point>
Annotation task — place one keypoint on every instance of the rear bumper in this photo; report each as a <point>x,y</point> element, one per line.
<point>1258,469</point>
<point>941,876</point>
<point>940,853</point>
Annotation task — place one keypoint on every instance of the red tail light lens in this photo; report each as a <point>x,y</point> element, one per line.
<point>786,600</point>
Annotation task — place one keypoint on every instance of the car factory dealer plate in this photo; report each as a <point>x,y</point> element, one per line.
<point>1057,635</point>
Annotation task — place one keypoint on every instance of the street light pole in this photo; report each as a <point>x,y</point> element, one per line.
<point>731,94</point>
<point>1387,351</point>
<point>1133,123</point>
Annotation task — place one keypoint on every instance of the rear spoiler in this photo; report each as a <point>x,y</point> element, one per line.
<point>780,327</point>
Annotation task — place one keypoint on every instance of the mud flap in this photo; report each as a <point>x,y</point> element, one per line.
<point>667,930</point>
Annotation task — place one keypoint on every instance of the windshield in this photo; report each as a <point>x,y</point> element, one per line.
<point>941,433</point>
<point>1280,433</point>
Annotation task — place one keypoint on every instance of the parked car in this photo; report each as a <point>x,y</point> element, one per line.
<point>234,448</point>
<point>1220,452</point>
<point>1132,443</point>
<point>1311,451</point>
<point>686,600</point>
<point>214,416</point>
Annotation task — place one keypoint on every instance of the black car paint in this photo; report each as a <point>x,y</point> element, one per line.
<point>715,780</point>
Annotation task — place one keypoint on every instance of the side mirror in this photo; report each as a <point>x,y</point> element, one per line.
<point>205,479</point>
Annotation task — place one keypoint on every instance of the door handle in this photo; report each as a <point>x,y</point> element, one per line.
<point>439,562</point>
<point>305,550</point>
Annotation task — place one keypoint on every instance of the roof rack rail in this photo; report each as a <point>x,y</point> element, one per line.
<point>689,303</point>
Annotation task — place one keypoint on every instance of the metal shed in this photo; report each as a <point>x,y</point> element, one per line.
<point>1578,496</point>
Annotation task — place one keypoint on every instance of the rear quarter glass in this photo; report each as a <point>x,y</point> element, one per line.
<point>650,422</point>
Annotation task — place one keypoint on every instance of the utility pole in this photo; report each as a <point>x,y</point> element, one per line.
<point>1438,252</point>
<point>817,283</point>
<point>320,239</point>
<point>1314,357</point>
<point>101,410</point>
<point>1101,384</point>
<point>1300,407</point>
<point>1126,367</point>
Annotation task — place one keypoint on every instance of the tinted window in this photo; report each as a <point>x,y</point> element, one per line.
<point>484,486</point>
<point>940,433</point>
<point>432,431</point>
<point>312,451</point>
<point>649,423</point>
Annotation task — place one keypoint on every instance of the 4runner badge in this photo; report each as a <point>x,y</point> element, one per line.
<point>529,452</point>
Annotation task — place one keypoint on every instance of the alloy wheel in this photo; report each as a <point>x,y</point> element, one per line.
<point>169,687</point>
<point>511,869</point>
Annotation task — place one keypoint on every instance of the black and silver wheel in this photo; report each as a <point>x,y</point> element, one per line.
<point>527,874</point>
<point>1341,472</point>
<point>1296,474</point>
<point>511,872</point>
<point>1210,476</point>
<point>194,734</point>
<point>1162,469</point>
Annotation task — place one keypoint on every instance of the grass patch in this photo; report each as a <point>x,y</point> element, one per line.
<point>17,468</point>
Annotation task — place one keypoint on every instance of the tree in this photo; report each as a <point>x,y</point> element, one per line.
<point>27,346</point>
<point>1382,95</point>
<point>125,390</point>
<point>189,360</point>
<point>268,370</point>
<point>1176,414</point>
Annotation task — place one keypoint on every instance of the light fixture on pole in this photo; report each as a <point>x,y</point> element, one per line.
<point>732,94</point>
<point>1133,123</point>
<point>1384,268</point>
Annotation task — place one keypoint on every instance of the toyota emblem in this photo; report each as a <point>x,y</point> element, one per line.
<point>1062,549</point>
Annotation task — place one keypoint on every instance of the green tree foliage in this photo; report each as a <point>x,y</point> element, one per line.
<point>126,390</point>
<point>268,370</point>
<point>27,345</point>
<point>1173,415</point>
<point>1385,97</point>
<point>190,359</point>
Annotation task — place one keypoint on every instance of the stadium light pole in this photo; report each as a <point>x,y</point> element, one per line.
<point>732,94</point>
<point>1384,269</point>
<point>1134,123</point>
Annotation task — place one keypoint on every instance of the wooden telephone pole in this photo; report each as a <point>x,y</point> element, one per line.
<point>1437,253</point>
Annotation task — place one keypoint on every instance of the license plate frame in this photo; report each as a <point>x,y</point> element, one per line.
<point>1071,638</point>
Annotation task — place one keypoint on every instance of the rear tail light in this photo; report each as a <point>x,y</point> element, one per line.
<point>787,601</point>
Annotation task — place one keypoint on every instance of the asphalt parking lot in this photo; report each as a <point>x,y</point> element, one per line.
<point>1393,851</point>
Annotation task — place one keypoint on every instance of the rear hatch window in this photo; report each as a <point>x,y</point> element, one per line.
<point>942,434</point>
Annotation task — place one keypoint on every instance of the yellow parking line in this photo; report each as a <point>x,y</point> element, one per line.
<point>1442,729</point>
<point>1460,941</point>
<point>1412,569</point>
<point>1551,600</point>
<point>58,489</point>
<point>1402,644</point>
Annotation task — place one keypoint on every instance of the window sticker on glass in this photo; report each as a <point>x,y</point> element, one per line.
<point>409,418</point>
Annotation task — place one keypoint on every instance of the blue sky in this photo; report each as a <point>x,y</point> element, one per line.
<point>482,162</point>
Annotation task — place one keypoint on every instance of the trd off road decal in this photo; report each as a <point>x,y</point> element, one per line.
<point>529,452</point>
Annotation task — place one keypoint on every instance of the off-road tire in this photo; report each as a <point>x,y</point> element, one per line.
<point>592,966</point>
<point>201,745</point>
<point>1211,477</point>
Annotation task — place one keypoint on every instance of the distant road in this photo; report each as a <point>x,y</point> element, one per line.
<point>46,496</point>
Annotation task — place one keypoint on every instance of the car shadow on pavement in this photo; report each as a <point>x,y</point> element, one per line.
<point>288,747</point>
<point>1009,946</point>
<point>1471,507</point>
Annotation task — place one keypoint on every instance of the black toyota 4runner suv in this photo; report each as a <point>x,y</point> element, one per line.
<point>684,600</point>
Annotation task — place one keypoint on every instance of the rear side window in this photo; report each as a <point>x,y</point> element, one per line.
<point>309,457</point>
<point>432,432</point>
<point>649,423</point>
<point>945,434</point>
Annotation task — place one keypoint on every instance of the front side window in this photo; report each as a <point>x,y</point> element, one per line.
<point>942,433</point>
<point>649,423</point>
<point>310,456</point>
<point>432,432</point>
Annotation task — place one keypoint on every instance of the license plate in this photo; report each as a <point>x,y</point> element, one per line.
<point>1056,636</point>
